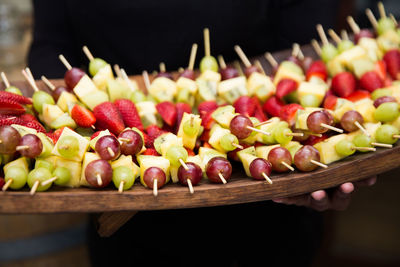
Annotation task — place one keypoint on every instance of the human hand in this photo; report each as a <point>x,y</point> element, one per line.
<point>321,201</point>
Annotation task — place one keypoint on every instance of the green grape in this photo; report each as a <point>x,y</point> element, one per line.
<point>41,163</point>
<point>385,24</point>
<point>95,65</point>
<point>381,92</point>
<point>13,89</point>
<point>63,175</point>
<point>18,175</point>
<point>138,96</point>
<point>208,63</point>
<point>39,98</point>
<point>310,101</point>
<point>68,146</point>
<point>387,112</point>
<point>362,140</point>
<point>41,175</point>
<point>280,134</point>
<point>385,133</point>
<point>175,153</point>
<point>345,45</point>
<point>123,173</point>
<point>190,128</point>
<point>345,148</point>
<point>227,142</point>
<point>328,52</point>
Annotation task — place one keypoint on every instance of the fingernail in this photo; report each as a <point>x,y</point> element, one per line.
<point>278,200</point>
<point>318,195</point>
<point>371,181</point>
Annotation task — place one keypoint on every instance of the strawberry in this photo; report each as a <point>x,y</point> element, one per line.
<point>10,107</point>
<point>2,182</point>
<point>190,152</point>
<point>207,106</point>
<point>285,87</point>
<point>151,152</point>
<point>57,133</point>
<point>52,137</point>
<point>343,84</point>
<point>312,140</point>
<point>23,100</point>
<point>180,109</point>
<point>358,95</point>
<point>167,110</point>
<point>317,68</point>
<point>207,121</point>
<point>28,117</point>
<point>392,60</point>
<point>205,136</point>
<point>207,145</point>
<point>16,120</point>
<point>129,113</point>
<point>288,113</point>
<point>380,68</point>
<point>258,111</point>
<point>245,105</point>
<point>82,116</point>
<point>330,102</point>
<point>273,106</point>
<point>108,117</point>
<point>371,81</point>
<point>153,131</point>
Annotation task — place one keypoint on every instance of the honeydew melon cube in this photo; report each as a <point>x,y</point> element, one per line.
<point>217,133</point>
<point>64,120</point>
<point>232,89</point>
<point>83,144</point>
<point>293,147</point>
<point>371,46</point>
<point>118,89</point>
<point>94,98</point>
<point>75,169</point>
<point>20,162</point>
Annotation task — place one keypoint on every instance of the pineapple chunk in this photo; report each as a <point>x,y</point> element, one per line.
<point>165,141</point>
<point>263,151</point>
<point>20,162</point>
<point>327,149</point>
<point>371,47</point>
<point>342,106</point>
<point>94,98</point>
<point>302,115</point>
<point>85,87</point>
<point>390,39</point>
<point>312,88</point>
<point>261,86</point>
<point>65,100</point>
<point>366,108</point>
<point>293,147</point>
<point>51,113</point>
<point>232,89</point>
<point>246,159</point>
<point>146,161</point>
<point>289,70</point>
<point>197,160</point>
<point>127,162</point>
<point>223,115</point>
<point>269,127</point>
<point>163,89</point>
<point>102,76</point>
<point>395,89</point>
<point>216,133</point>
<point>210,75</point>
<point>74,167</point>
<point>189,141</point>
<point>118,89</point>
<point>208,153</point>
<point>83,144</point>
<point>88,157</point>
<point>173,170</point>
<point>184,83</point>
<point>346,57</point>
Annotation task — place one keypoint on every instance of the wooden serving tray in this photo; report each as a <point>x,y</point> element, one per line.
<point>240,189</point>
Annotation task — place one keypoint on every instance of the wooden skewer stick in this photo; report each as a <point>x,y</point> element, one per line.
<point>181,70</point>
<point>155,187</point>
<point>238,67</point>
<point>65,62</point>
<point>110,151</point>
<point>190,185</point>
<point>206,34</point>
<point>393,19</point>
<point>271,60</point>
<point>295,50</point>
<point>242,56</point>
<point>146,80</point>
<point>127,80</point>
<point>221,62</point>
<point>372,18</point>
<point>222,178</point>
<point>99,181</point>
<point>127,140</point>
<point>364,148</point>
<point>316,46</point>
<point>237,145</point>
<point>117,70</point>
<point>294,134</point>
<point>30,75</point>
<point>397,136</point>
<point>183,164</point>
<point>87,53</point>
<point>266,178</point>
<point>7,185</point>
<point>359,126</point>
<point>262,123</point>
<point>331,128</point>
<point>322,34</point>
<point>121,187</point>
<point>192,58</point>
<point>34,187</point>
<point>353,25</point>
<point>381,9</point>
<point>48,181</point>
<point>258,130</point>
<point>257,63</point>
<point>48,83</point>
<point>300,55</point>
<point>5,80</point>
<point>18,148</point>
<point>382,145</point>
<point>162,67</point>
<point>344,35</point>
<point>334,36</point>
<point>287,166</point>
<point>319,164</point>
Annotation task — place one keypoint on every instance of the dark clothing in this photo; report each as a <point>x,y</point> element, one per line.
<point>138,35</point>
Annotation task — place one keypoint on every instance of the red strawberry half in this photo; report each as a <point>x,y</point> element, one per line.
<point>207,106</point>
<point>358,95</point>
<point>343,84</point>
<point>273,106</point>
<point>167,110</point>
<point>371,81</point>
<point>285,87</point>
<point>244,105</point>
<point>129,113</point>
<point>180,109</point>
<point>150,152</point>
<point>108,117</point>
<point>288,113</point>
<point>258,111</point>
<point>82,116</point>
<point>317,68</point>
<point>392,60</point>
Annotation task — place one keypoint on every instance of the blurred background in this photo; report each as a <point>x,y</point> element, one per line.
<point>366,234</point>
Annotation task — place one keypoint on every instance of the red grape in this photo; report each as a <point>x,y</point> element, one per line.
<point>384,99</point>
<point>363,33</point>
<point>228,73</point>
<point>216,166</point>
<point>9,139</point>
<point>188,74</point>
<point>108,147</point>
<point>238,126</point>
<point>348,120</point>
<point>98,168</point>
<point>153,173</point>
<point>56,93</point>
<point>295,60</point>
<point>306,63</point>
<point>249,70</point>
<point>258,167</point>
<point>278,155</point>
<point>72,77</point>
<point>165,74</point>
<point>134,145</point>
<point>303,157</point>
<point>193,173</point>
<point>30,146</point>
<point>302,138</point>
<point>315,119</point>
